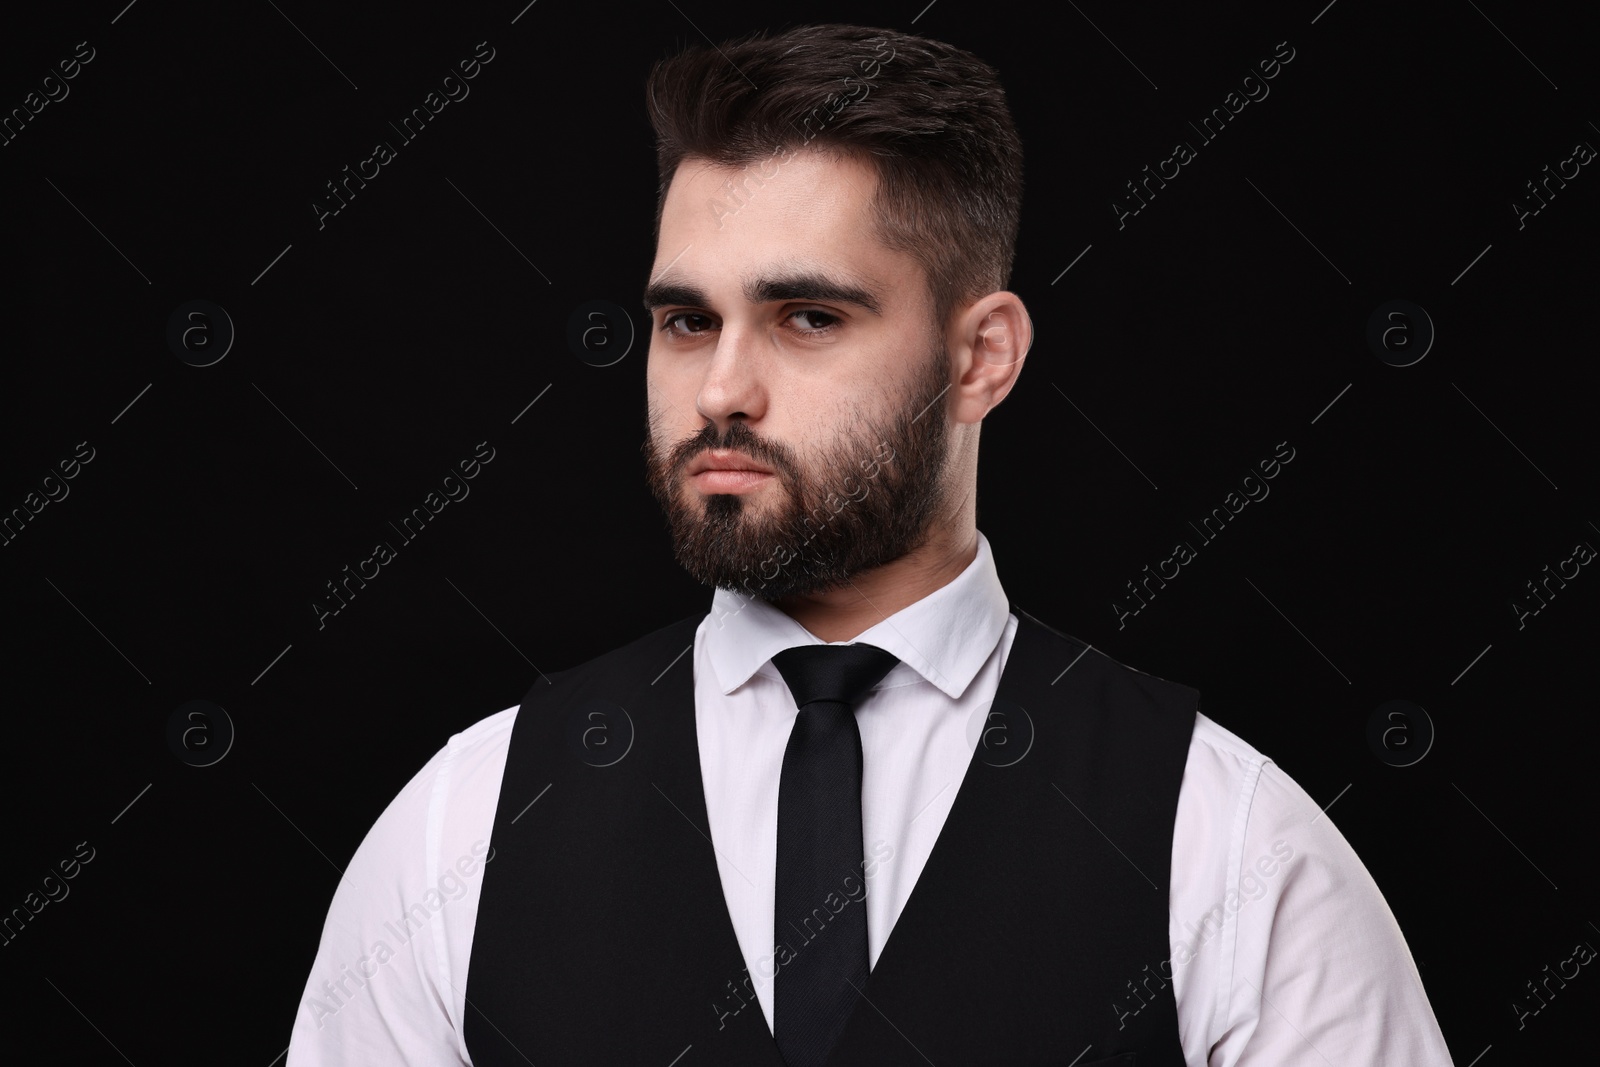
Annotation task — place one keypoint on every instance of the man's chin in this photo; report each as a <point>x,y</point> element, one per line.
<point>780,593</point>
<point>750,561</point>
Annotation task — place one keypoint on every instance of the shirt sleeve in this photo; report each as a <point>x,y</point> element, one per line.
<point>388,985</point>
<point>1313,971</point>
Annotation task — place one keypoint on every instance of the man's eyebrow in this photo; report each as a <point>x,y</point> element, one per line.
<point>801,285</point>
<point>666,292</point>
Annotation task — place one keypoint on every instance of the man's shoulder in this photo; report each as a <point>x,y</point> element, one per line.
<point>468,763</point>
<point>1080,648</point>
<point>1138,698</point>
<point>1224,746</point>
<point>489,736</point>
<point>485,735</point>
<point>1220,764</point>
<point>1236,781</point>
<point>648,655</point>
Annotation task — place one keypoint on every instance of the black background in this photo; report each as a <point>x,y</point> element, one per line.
<point>375,352</point>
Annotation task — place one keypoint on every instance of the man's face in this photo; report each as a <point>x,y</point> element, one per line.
<point>786,339</point>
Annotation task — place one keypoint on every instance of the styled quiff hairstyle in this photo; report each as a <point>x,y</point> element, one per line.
<point>930,117</point>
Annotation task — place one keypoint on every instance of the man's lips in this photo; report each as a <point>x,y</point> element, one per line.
<point>726,472</point>
<point>726,461</point>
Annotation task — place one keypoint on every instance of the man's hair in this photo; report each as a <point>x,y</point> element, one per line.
<point>931,118</point>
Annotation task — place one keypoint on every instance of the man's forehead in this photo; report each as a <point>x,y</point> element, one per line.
<point>820,163</point>
<point>803,232</point>
<point>809,201</point>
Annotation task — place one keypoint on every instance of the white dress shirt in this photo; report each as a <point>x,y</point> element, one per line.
<point>1284,951</point>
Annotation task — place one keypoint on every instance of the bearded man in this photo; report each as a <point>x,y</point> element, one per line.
<point>866,810</point>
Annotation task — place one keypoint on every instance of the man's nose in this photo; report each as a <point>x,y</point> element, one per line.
<point>733,383</point>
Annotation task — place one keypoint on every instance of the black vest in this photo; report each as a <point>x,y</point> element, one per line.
<point>1035,935</point>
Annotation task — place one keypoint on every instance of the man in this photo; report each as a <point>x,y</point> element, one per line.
<point>866,810</point>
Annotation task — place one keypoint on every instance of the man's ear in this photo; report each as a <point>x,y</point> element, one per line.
<point>991,338</point>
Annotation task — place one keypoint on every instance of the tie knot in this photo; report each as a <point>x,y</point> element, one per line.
<point>838,673</point>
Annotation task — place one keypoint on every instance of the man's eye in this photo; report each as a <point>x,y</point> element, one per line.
<point>809,316</point>
<point>668,324</point>
<point>807,321</point>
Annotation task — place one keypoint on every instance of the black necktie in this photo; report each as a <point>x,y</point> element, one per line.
<point>820,849</point>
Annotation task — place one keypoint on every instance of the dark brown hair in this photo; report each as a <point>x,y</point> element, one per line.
<point>930,117</point>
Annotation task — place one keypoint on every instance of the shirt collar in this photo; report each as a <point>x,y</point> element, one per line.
<point>945,637</point>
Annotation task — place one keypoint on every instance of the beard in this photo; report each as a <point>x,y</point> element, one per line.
<point>865,500</point>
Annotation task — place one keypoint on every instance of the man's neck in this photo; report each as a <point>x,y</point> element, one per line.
<point>872,596</point>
